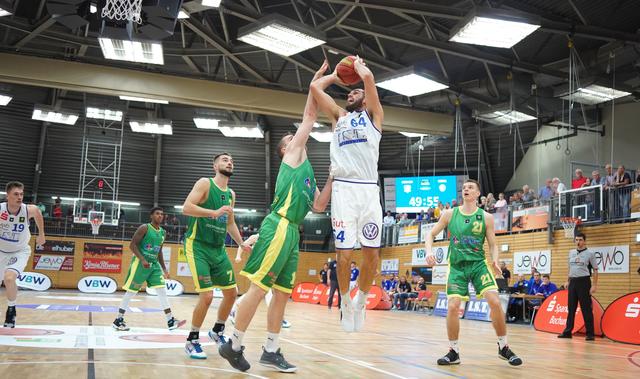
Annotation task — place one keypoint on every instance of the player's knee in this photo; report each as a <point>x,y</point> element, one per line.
<point>454,305</point>
<point>230,293</point>
<point>344,259</point>
<point>493,300</point>
<point>206,298</point>
<point>10,276</point>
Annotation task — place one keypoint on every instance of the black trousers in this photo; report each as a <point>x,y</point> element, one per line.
<point>333,288</point>
<point>579,292</point>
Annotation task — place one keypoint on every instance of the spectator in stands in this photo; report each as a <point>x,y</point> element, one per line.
<point>534,287</point>
<point>438,211</point>
<point>387,222</point>
<point>558,186</point>
<point>333,283</point>
<point>322,275</point>
<point>515,305</point>
<point>402,293</point>
<point>533,272</point>
<point>516,201</point>
<point>355,272</point>
<point>454,203</point>
<point>388,219</point>
<point>624,194</point>
<point>546,192</point>
<point>596,179</point>
<point>501,203</point>
<point>420,286</point>
<point>447,206</point>
<point>57,211</point>
<point>386,283</point>
<point>638,175</point>
<point>483,203</point>
<point>610,179</point>
<point>404,219</point>
<point>398,217</point>
<point>421,216</point>
<point>506,274</point>
<point>491,203</point>
<point>580,180</point>
<point>547,288</point>
<point>430,214</point>
<point>527,194</point>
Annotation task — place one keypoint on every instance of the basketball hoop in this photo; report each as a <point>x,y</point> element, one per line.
<point>123,10</point>
<point>569,224</point>
<point>95,226</point>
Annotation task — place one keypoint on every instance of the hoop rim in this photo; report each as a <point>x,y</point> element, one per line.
<point>571,220</point>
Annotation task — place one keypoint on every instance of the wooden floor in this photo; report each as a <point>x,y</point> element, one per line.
<point>393,345</point>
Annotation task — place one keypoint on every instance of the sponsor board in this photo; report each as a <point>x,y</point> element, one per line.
<point>523,262</point>
<point>183,269</point>
<point>554,310</point>
<point>93,337</point>
<point>317,293</point>
<point>612,259</point>
<point>373,297</point>
<point>174,288</point>
<point>389,266</point>
<point>97,284</point>
<point>54,256</point>
<point>302,292</point>
<point>635,203</point>
<point>99,257</point>
<point>33,281</point>
<point>426,228</point>
<point>621,320</point>
<point>442,305</point>
<point>530,218</point>
<point>408,234</point>
<point>324,299</point>
<point>478,309</point>
<point>439,274</point>
<point>166,256</point>
<point>419,256</point>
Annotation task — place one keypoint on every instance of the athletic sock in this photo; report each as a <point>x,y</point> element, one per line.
<point>272,342</point>
<point>362,299</point>
<point>167,314</point>
<point>236,340</point>
<point>502,342</point>
<point>125,302</point>
<point>218,327</point>
<point>453,345</point>
<point>346,300</point>
<point>11,303</point>
<point>193,335</point>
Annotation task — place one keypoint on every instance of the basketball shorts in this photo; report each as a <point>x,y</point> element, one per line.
<point>274,260</point>
<point>138,275</point>
<point>15,261</point>
<point>210,266</point>
<point>356,214</point>
<point>477,273</point>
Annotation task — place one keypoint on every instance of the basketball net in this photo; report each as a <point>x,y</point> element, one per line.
<point>95,226</point>
<point>569,224</point>
<point>123,10</point>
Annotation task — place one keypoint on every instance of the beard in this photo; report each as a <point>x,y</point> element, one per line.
<point>225,172</point>
<point>354,106</point>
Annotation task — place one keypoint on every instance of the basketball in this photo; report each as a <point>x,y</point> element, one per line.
<point>346,71</point>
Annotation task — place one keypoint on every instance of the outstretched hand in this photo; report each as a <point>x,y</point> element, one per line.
<point>360,67</point>
<point>321,70</point>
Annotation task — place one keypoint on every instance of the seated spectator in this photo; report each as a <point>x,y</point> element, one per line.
<point>547,288</point>
<point>514,310</point>
<point>546,192</point>
<point>597,180</point>
<point>580,180</point>
<point>506,274</point>
<point>402,293</point>
<point>501,203</point>
<point>522,285</point>
<point>420,286</point>
<point>535,284</point>
<point>534,271</point>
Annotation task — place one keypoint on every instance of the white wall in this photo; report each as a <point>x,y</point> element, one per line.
<point>545,161</point>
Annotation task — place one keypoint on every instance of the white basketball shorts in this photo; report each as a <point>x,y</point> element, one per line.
<point>356,214</point>
<point>16,261</point>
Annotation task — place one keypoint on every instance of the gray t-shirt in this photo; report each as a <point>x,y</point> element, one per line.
<point>579,263</point>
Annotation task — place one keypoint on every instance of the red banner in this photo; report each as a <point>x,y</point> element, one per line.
<point>302,292</point>
<point>373,298</point>
<point>101,265</point>
<point>324,298</point>
<point>621,320</point>
<point>553,313</point>
<point>317,293</point>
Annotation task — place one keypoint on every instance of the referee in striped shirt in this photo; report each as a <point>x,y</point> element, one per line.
<point>581,262</point>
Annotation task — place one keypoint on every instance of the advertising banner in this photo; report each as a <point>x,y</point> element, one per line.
<point>54,256</point>
<point>523,261</point>
<point>408,234</point>
<point>389,266</point>
<point>621,318</point>
<point>530,218</point>
<point>100,257</point>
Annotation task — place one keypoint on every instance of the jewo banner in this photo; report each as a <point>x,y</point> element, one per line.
<point>54,256</point>
<point>100,257</point>
<point>612,259</point>
<point>523,262</point>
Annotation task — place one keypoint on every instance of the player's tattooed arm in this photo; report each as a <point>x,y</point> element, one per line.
<point>135,242</point>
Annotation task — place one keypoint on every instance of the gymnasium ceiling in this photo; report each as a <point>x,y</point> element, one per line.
<point>389,34</point>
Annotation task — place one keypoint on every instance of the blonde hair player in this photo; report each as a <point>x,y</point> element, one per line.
<point>267,297</point>
<point>468,227</point>
<point>356,213</point>
<point>14,242</point>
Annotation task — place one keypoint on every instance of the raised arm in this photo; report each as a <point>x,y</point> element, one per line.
<point>370,92</point>
<point>322,198</point>
<point>437,228</point>
<point>197,196</point>
<point>326,103</point>
<point>35,213</point>
<point>491,239</point>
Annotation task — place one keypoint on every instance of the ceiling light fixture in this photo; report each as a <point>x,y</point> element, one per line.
<point>493,27</point>
<point>132,51</point>
<point>182,14</point>
<point>410,83</point>
<point>414,135</point>
<point>5,99</point>
<point>280,35</point>
<point>48,114</point>
<point>206,123</point>
<point>248,130</point>
<point>211,3</point>
<point>595,94</point>
<point>144,99</point>
<point>6,8</point>
<point>504,116</point>
<point>104,114</point>
<point>151,126</point>
<point>320,132</point>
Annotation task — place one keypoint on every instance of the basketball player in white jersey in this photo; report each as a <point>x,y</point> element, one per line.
<point>14,242</point>
<point>356,213</point>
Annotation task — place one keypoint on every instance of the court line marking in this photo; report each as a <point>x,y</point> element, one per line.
<point>358,363</point>
<point>425,367</point>
<point>137,364</point>
<point>631,359</point>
